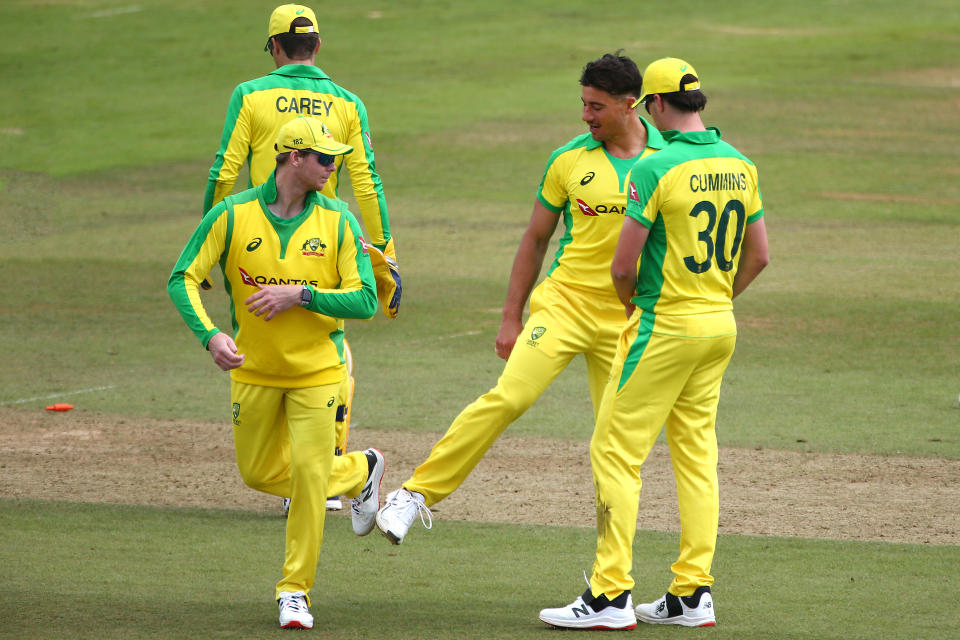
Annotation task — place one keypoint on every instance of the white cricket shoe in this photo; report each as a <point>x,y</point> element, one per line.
<point>294,613</point>
<point>588,612</point>
<point>334,504</point>
<point>286,507</point>
<point>365,505</point>
<point>688,611</point>
<point>398,513</point>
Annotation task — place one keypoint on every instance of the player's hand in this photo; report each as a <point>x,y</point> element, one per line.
<point>507,337</point>
<point>628,308</point>
<point>224,351</point>
<point>273,299</point>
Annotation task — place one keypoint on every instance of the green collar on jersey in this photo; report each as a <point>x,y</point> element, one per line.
<point>710,136</point>
<point>300,71</point>
<point>268,192</point>
<point>654,139</point>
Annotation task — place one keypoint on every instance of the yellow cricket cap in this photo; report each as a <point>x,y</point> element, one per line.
<point>306,133</point>
<point>282,17</point>
<point>666,76</point>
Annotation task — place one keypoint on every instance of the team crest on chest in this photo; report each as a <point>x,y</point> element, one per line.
<point>313,247</point>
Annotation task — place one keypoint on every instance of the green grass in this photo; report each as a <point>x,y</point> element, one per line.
<point>185,573</point>
<point>848,340</point>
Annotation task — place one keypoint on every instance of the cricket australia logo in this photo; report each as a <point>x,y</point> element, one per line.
<point>236,413</point>
<point>313,247</point>
<point>535,335</point>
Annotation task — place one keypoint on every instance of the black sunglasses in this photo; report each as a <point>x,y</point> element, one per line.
<point>322,158</point>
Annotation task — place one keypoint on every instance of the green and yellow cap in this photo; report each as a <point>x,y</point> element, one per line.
<point>666,76</point>
<point>309,134</point>
<point>282,18</point>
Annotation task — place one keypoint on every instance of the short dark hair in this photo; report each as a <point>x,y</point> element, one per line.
<point>298,46</point>
<point>614,73</point>
<point>694,100</point>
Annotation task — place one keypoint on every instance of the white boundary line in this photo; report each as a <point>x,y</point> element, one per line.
<point>59,395</point>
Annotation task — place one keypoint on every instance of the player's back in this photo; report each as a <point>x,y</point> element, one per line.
<point>696,197</point>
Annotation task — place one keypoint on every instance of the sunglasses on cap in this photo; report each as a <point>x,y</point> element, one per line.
<point>323,158</point>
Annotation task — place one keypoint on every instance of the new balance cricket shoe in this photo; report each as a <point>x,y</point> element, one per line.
<point>689,611</point>
<point>367,502</point>
<point>398,513</point>
<point>334,503</point>
<point>589,612</point>
<point>294,613</point>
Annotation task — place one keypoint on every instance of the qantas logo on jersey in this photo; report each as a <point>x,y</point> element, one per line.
<point>258,281</point>
<point>313,247</point>
<point>587,210</point>
<point>247,278</point>
<point>633,193</point>
<point>304,106</point>
<point>366,134</point>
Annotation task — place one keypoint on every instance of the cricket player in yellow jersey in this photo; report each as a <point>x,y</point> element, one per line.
<point>695,219</point>
<point>575,310</point>
<point>257,110</point>
<point>294,264</point>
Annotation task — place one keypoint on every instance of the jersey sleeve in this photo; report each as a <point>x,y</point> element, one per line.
<point>641,193</point>
<point>552,192</point>
<point>367,187</point>
<point>755,208</point>
<point>233,151</point>
<point>356,295</point>
<point>205,248</point>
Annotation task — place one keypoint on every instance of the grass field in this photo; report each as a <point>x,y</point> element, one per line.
<point>109,119</point>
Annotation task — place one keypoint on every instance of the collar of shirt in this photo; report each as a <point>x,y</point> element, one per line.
<point>300,71</point>
<point>710,136</point>
<point>268,190</point>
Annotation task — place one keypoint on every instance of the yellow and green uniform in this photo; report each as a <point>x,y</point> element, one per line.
<point>284,394</point>
<point>696,198</point>
<point>574,310</point>
<point>257,110</point>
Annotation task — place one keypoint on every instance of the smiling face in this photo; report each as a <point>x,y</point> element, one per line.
<point>606,115</point>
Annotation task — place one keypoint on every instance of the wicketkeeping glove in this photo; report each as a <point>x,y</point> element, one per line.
<point>387,274</point>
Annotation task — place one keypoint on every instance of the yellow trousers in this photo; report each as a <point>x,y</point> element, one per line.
<point>284,441</point>
<point>563,322</point>
<point>667,373</point>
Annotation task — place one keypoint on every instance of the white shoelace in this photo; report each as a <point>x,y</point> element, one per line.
<point>403,497</point>
<point>296,602</point>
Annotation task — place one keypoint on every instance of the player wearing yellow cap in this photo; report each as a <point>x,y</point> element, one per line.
<point>294,264</point>
<point>574,310</point>
<point>695,220</point>
<point>257,110</point>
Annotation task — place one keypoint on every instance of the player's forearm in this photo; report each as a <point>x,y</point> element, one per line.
<point>625,284</point>
<point>183,290</point>
<point>359,303</point>
<point>754,256</point>
<point>523,275</point>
